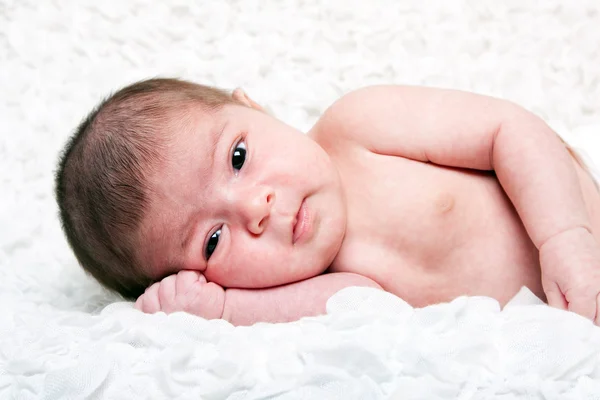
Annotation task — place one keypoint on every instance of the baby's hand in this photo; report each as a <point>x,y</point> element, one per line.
<point>570,265</point>
<point>187,291</point>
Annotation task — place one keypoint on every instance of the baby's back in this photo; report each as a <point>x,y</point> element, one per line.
<point>429,234</point>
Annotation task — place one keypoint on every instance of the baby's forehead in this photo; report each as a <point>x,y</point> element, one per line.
<point>187,128</point>
<point>182,172</point>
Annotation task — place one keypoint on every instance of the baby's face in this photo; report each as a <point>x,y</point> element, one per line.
<point>245,199</point>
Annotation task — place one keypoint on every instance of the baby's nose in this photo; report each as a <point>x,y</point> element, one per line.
<point>256,208</point>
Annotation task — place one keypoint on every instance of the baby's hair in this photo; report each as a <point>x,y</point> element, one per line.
<point>102,179</point>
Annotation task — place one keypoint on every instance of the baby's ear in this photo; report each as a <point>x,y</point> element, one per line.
<point>241,96</point>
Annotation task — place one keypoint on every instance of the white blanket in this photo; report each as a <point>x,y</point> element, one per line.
<point>371,345</point>
<point>63,337</point>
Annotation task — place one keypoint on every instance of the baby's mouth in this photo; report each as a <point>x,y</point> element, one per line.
<point>301,222</point>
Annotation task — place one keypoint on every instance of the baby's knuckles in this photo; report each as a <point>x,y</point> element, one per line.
<point>206,300</point>
<point>572,260</point>
<point>187,291</point>
<point>167,294</point>
<point>148,302</point>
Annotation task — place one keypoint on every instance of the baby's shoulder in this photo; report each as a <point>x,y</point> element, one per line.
<point>365,114</point>
<point>348,108</point>
<point>342,119</point>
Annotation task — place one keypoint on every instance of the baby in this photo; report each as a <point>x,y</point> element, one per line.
<point>197,200</point>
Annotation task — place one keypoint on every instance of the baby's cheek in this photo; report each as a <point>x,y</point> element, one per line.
<point>250,275</point>
<point>230,276</point>
<point>217,275</point>
<point>256,266</point>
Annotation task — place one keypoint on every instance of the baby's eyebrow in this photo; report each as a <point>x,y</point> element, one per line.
<point>215,137</point>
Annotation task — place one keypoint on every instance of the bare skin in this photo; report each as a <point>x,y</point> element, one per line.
<point>428,194</point>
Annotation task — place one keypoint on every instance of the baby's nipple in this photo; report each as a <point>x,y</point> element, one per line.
<point>444,203</point>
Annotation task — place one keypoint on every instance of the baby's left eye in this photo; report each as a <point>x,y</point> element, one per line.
<point>239,156</point>
<point>212,244</point>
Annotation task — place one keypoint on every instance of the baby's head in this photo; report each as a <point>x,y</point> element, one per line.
<point>167,175</point>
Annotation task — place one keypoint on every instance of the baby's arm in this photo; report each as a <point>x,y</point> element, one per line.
<point>466,130</point>
<point>289,302</point>
<point>188,291</point>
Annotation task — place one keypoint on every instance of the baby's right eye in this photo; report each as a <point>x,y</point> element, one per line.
<point>212,244</point>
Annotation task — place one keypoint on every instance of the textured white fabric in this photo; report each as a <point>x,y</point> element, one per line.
<point>371,345</point>
<point>62,338</point>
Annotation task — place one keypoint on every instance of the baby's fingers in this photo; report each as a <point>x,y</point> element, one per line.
<point>597,320</point>
<point>584,306</point>
<point>554,295</point>
<point>149,302</point>
<point>166,294</point>
<point>207,303</point>
<point>186,281</point>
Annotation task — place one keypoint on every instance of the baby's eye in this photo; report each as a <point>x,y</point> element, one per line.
<point>239,156</point>
<point>212,244</point>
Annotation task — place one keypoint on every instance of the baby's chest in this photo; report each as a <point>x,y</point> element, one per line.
<point>410,207</point>
<point>416,226</point>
